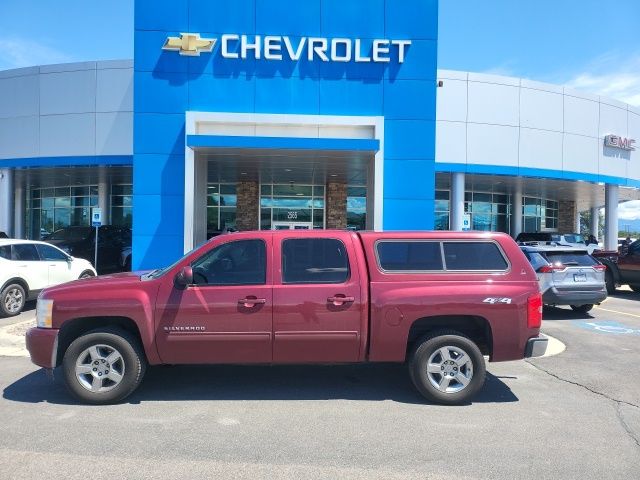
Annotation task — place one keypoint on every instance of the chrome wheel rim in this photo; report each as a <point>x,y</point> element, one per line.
<point>450,369</point>
<point>100,368</point>
<point>13,300</point>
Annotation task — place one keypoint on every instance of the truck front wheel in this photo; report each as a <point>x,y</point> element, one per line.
<point>103,367</point>
<point>447,367</point>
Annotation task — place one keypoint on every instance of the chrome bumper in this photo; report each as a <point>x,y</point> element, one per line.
<point>536,347</point>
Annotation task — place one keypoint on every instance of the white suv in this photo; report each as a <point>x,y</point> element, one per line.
<point>26,267</point>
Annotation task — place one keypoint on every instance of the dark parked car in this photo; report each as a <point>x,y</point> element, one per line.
<point>113,244</point>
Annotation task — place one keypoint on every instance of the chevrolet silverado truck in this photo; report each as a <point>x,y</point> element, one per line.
<point>623,267</point>
<point>438,301</point>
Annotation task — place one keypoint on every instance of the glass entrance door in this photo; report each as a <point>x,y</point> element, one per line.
<point>292,226</point>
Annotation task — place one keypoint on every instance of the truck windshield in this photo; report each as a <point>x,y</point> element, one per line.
<point>159,272</point>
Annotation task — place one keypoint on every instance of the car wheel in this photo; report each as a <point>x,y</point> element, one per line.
<point>86,274</point>
<point>635,288</point>
<point>12,300</point>
<point>103,367</point>
<point>447,367</point>
<point>582,308</point>
<point>609,282</point>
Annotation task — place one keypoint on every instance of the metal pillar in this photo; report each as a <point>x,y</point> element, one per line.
<point>18,218</point>
<point>104,194</point>
<point>611,217</point>
<point>595,219</point>
<point>577,222</point>
<point>457,200</point>
<point>6,201</point>
<point>516,211</point>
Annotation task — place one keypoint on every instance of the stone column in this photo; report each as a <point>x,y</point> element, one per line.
<point>6,201</point>
<point>336,207</point>
<point>457,200</point>
<point>567,216</point>
<point>248,206</point>
<point>611,197</point>
<point>516,211</point>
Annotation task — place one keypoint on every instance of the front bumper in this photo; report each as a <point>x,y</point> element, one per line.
<point>536,347</point>
<point>553,296</point>
<point>42,344</point>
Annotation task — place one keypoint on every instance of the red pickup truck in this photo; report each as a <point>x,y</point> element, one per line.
<point>437,300</point>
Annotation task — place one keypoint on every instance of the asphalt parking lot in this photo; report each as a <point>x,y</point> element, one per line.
<point>574,415</point>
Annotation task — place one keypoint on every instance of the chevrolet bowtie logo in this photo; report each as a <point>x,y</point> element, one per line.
<point>189,44</point>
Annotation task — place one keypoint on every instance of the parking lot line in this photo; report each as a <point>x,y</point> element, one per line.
<point>618,312</point>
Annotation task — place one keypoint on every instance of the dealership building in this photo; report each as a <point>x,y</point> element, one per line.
<point>277,114</point>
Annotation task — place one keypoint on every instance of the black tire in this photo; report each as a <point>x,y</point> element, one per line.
<point>12,300</point>
<point>609,282</point>
<point>635,288</point>
<point>582,308</point>
<point>132,358</point>
<point>427,347</point>
<point>86,274</point>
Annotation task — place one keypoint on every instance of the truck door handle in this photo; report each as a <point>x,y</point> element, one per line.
<point>340,299</point>
<point>251,302</point>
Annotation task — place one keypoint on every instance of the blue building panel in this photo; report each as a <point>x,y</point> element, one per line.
<point>349,18</point>
<point>222,16</point>
<point>158,175</point>
<point>288,17</point>
<point>409,179</point>
<point>168,84</point>
<point>281,95</point>
<point>161,92</point>
<point>413,19</point>
<point>408,214</point>
<point>410,139</point>
<point>342,97</point>
<point>162,15</point>
<point>158,133</point>
<point>410,99</point>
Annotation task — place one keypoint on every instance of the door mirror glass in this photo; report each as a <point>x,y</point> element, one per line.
<point>184,277</point>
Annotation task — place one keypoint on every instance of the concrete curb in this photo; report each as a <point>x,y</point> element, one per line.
<point>12,342</point>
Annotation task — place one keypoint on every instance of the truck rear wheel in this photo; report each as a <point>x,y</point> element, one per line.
<point>104,366</point>
<point>609,282</point>
<point>447,367</point>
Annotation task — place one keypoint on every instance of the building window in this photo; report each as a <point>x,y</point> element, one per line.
<point>356,208</point>
<point>489,211</point>
<point>539,214</point>
<point>442,209</point>
<point>291,203</point>
<point>51,209</point>
<point>122,205</point>
<point>221,208</point>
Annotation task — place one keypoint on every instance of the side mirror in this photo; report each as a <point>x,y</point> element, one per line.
<point>184,277</point>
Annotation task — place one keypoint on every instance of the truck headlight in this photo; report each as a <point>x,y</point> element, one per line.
<point>44,313</point>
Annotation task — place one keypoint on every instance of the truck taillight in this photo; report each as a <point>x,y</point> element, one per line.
<point>534,311</point>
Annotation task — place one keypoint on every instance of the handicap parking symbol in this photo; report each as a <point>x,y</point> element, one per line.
<point>614,328</point>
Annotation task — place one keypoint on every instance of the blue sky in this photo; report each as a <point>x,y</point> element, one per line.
<point>592,45</point>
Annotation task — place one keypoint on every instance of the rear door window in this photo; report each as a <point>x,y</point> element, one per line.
<point>5,252</point>
<point>469,256</point>
<point>25,252</point>
<point>314,260</point>
<point>409,256</point>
